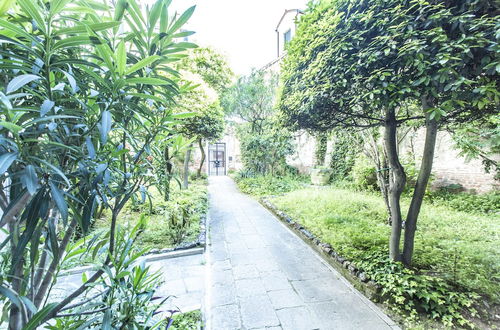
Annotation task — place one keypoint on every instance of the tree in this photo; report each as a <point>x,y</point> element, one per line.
<point>208,74</point>
<point>81,103</point>
<point>211,66</point>
<point>251,99</point>
<point>361,64</point>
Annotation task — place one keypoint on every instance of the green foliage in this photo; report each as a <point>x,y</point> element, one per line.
<point>457,246</point>
<point>251,99</point>
<point>169,223</point>
<point>81,105</point>
<point>187,321</point>
<point>265,153</point>
<point>268,185</point>
<point>363,174</point>
<point>344,154</point>
<point>211,66</point>
<point>480,141</point>
<point>350,60</point>
<point>411,293</point>
<point>361,63</point>
<point>127,290</point>
<point>207,123</point>
<point>320,151</point>
<point>488,203</point>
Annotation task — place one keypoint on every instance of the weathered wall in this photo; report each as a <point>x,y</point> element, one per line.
<point>448,168</point>
<point>451,168</point>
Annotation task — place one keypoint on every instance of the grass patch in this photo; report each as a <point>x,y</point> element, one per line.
<point>455,245</point>
<point>187,321</point>
<point>456,253</point>
<point>269,185</point>
<point>164,229</point>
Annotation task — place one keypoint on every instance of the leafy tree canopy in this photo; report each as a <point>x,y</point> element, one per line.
<point>352,59</point>
<point>251,98</point>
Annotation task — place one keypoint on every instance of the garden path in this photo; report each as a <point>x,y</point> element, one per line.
<point>264,276</point>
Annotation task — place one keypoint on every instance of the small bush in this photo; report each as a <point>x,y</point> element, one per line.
<point>364,174</point>
<point>268,185</point>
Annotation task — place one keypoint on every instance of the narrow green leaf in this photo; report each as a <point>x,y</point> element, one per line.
<point>30,179</point>
<point>121,58</point>
<point>146,81</point>
<point>96,27</point>
<point>58,197</point>
<point>6,160</point>
<point>20,81</point>
<point>105,125</point>
<point>17,30</point>
<point>37,319</point>
<point>142,63</point>
<point>57,5</point>
<point>31,8</point>
<point>11,127</point>
<point>182,20</point>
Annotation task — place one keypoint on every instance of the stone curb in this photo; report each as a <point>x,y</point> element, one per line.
<point>187,249</point>
<point>357,279</point>
<point>146,258</point>
<point>346,267</point>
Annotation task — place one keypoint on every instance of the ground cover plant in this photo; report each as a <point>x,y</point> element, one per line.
<point>456,260</point>
<point>168,223</point>
<point>261,185</point>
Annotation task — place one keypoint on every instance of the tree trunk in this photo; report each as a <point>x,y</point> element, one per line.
<point>380,161</point>
<point>186,168</point>
<point>202,161</point>
<point>422,180</point>
<point>397,181</point>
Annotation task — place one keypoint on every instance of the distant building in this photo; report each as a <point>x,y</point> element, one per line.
<point>285,31</point>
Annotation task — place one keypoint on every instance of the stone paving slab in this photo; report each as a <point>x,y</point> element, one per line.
<point>262,276</point>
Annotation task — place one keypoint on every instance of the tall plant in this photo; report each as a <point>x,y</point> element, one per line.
<point>361,63</point>
<point>82,102</point>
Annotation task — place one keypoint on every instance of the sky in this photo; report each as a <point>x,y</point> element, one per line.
<point>242,30</point>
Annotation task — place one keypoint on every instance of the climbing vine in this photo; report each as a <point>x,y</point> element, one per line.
<point>343,154</point>
<point>321,147</point>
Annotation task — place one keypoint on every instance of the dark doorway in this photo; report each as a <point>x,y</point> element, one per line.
<point>217,158</point>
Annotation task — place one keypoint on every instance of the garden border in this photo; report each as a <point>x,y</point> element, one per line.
<point>344,266</point>
<point>187,249</point>
<point>200,242</point>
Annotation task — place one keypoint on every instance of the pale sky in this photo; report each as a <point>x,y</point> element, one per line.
<point>243,30</point>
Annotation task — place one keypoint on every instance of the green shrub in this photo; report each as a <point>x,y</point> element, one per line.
<point>411,293</point>
<point>265,152</point>
<point>268,185</point>
<point>186,321</point>
<point>364,174</point>
<point>481,203</point>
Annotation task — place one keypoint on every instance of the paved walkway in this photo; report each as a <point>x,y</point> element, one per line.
<point>262,276</point>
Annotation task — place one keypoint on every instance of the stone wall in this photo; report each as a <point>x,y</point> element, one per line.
<point>448,168</point>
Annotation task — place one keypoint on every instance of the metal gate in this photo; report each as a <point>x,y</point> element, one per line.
<point>217,158</point>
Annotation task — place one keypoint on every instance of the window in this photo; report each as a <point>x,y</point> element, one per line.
<point>287,36</point>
